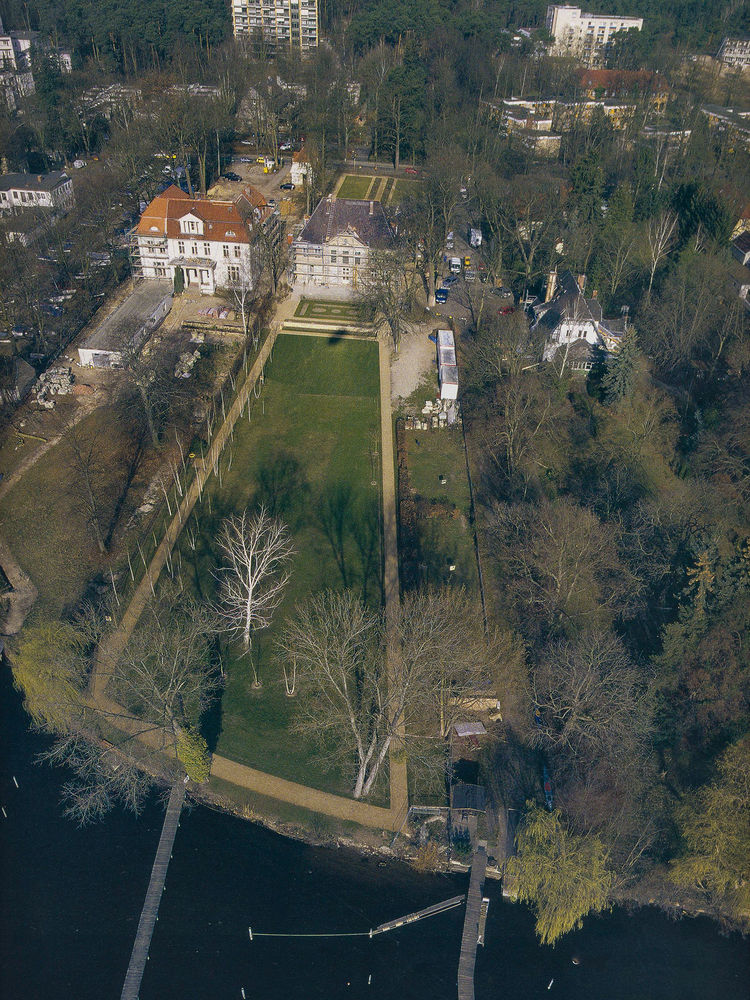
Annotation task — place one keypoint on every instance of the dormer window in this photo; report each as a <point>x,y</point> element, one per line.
<point>230,233</point>
<point>191,225</point>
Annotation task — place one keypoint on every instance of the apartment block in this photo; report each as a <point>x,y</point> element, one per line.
<point>734,52</point>
<point>281,23</point>
<point>585,36</point>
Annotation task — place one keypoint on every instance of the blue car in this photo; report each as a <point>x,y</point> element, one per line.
<point>441,295</point>
<point>450,279</point>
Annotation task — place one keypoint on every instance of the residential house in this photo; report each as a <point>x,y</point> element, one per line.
<point>214,243</point>
<point>16,77</point>
<point>335,244</point>
<point>614,84</point>
<point>50,192</point>
<point>301,168</point>
<point>16,379</point>
<point>736,124</point>
<point>741,248</point>
<point>734,52</point>
<point>573,323</point>
<point>585,36</point>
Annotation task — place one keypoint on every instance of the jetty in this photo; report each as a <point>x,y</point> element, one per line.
<point>139,956</point>
<point>411,918</point>
<point>473,923</point>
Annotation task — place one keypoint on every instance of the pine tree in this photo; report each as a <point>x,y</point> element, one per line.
<point>619,378</point>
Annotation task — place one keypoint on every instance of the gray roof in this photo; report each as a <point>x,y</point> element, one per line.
<point>464,796</point>
<point>33,182</point>
<point>334,216</point>
<point>568,303</point>
<point>125,326</point>
<point>742,242</point>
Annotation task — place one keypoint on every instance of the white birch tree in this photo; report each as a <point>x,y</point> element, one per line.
<point>257,549</point>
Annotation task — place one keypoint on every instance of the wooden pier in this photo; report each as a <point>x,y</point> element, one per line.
<point>139,956</point>
<point>471,935</point>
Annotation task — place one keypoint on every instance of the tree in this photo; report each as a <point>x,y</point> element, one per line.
<point>386,286</point>
<point>149,386</point>
<point>661,238</point>
<point>350,705</point>
<point>621,368</point>
<point>563,562</point>
<point>50,669</point>
<point>166,677</point>
<point>562,874</point>
<point>257,548</point>
<point>714,826</point>
<point>590,699</point>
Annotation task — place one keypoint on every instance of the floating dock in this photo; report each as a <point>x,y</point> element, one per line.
<point>410,918</point>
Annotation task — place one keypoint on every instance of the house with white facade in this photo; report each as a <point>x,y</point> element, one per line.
<point>213,243</point>
<point>574,324</point>
<point>334,247</point>
<point>301,168</point>
<point>734,52</point>
<point>291,24</point>
<point>585,36</point>
<point>21,192</point>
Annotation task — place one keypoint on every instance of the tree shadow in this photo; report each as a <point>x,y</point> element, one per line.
<point>283,488</point>
<point>351,525</point>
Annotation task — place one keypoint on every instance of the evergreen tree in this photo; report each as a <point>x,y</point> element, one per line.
<point>621,369</point>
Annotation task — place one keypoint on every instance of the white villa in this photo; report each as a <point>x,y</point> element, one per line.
<point>570,320</point>
<point>334,247</point>
<point>213,243</point>
<point>20,192</point>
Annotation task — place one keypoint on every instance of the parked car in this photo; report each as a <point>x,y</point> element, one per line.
<point>231,176</point>
<point>287,186</point>
<point>450,279</point>
<point>470,275</point>
<point>441,295</point>
<point>285,147</point>
<point>410,170</point>
<point>504,293</point>
<point>467,261</point>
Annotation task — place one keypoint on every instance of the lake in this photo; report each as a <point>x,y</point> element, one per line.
<point>72,898</point>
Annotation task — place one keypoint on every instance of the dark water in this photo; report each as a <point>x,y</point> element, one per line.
<point>71,900</point>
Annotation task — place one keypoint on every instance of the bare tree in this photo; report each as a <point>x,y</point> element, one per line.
<point>387,287</point>
<point>243,287</point>
<point>348,703</point>
<point>661,237</point>
<point>257,549</point>
<point>589,697</point>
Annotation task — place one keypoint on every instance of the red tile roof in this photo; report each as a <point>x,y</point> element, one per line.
<point>225,221</point>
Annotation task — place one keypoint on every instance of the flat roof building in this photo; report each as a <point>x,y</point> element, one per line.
<point>585,36</point>
<point>291,24</point>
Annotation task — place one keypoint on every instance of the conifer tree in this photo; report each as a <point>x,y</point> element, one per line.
<point>621,369</point>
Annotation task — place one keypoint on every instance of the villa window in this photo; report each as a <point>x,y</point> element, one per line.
<point>181,247</point>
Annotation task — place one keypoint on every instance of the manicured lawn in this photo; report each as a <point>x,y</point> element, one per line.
<point>355,186</point>
<point>445,536</point>
<point>310,453</point>
<point>351,312</point>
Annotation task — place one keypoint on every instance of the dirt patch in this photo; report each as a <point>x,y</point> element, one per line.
<point>17,604</point>
<point>415,359</point>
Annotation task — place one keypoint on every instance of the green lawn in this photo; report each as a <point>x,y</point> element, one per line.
<point>310,453</point>
<point>355,186</point>
<point>445,535</point>
<point>351,312</point>
<point>402,189</point>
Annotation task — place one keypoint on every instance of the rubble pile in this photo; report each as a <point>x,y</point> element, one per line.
<point>185,364</point>
<point>54,382</point>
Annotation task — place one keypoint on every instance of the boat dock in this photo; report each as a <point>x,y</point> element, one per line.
<point>473,923</point>
<point>132,985</point>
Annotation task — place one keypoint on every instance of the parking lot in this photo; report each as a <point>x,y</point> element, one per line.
<point>269,184</point>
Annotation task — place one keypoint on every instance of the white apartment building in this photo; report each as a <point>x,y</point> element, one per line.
<point>585,36</point>
<point>213,243</point>
<point>734,52</point>
<point>290,23</point>
<point>21,192</point>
